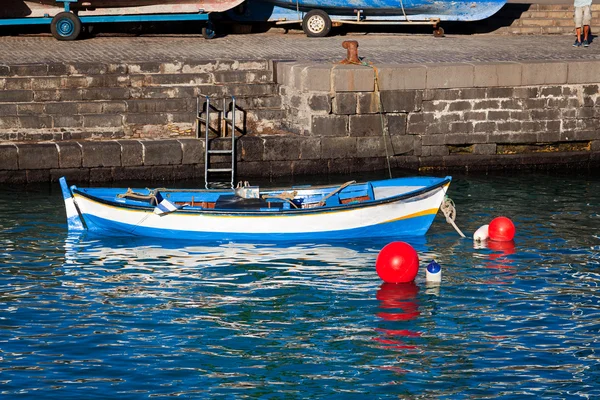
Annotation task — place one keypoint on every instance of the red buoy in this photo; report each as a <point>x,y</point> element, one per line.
<point>397,262</point>
<point>501,229</point>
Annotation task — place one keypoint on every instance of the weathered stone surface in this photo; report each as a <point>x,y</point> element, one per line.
<point>544,73</point>
<point>396,124</point>
<point>9,159</point>
<point>72,175</point>
<point>315,78</point>
<point>329,125</point>
<point>353,78</point>
<point>279,148</point>
<point>309,167</point>
<point>281,168</point>
<point>102,121</point>
<point>38,156</point>
<point>449,75</point>
<point>366,125</point>
<point>344,103</point>
<point>368,103</point>
<point>37,175</point>
<point>132,153</point>
<point>9,96</point>
<point>162,152</point>
<point>337,147</point>
<point>401,76</point>
<point>319,103</point>
<point>69,155</point>
<point>497,74</point>
<point>100,154</point>
<point>192,151</point>
<point>401,101</point>
<point>310,148</point>
<point>583,72</point>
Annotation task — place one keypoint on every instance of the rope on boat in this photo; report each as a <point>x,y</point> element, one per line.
<point>404,12</point>
<point>285,196</point>
<point>449,210</point>
<point>130,194</point>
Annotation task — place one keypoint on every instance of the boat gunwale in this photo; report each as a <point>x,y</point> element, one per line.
<point>276,212</point>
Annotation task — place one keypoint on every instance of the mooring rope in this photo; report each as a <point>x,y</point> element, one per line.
<point>449,210</point>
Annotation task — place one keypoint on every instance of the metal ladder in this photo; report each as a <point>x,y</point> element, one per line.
<point>224,127</point>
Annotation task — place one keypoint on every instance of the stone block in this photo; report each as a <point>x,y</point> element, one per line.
<point>69,155</point>
<point>309,167</point>
<point>37,175</point>
<point>105,94</point>
<point>62,108</point>
<point>14,96</point>
<point>497,74</point>
<point>278,148</point>
<point>67,121</point>
<point>402,100</point>
<point>353,78</point>
<point>396,124</point>
<point>315,78</point>
<point>162,152</point>
<point>403,145</point>
<point>296,72</point>
<point>38,156</point>
<point>281,168</point>
<point>338,147</point>
<point>18,84</point>
<point>329,125</point>
<point>132,153</point>
<point>366,125</point>
<point>544,73</point>
<point>132,173</point>
<point>401,77</point>
<point>319,102</point>
<point>7,109</point>
<point>9,157</point>
<point>344,103</point>
<point>310,148</point>
<point>102,121</point>
<point>449,75</point>
<point>583,71</point>
<point>433,140</point>
<point>192,151</point>
<point>46,83</point>
<point>100,154</point>
<point>459,106</point>
<point>35,122</point>
<point>29,70</point>
<point>101,174</point>
<point>146,119</point>
<point>251,148</point>
<point>35,109</point>
<point>282,72</point>
<point>370,146</point>
<point>368,103</point>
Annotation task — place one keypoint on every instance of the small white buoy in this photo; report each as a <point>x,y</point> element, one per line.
<point>481,234</point>
<point>433,273</point>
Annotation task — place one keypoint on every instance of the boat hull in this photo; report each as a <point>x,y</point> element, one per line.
<point>385,10</point>
<point>41,8</point>
<point>404,215</point>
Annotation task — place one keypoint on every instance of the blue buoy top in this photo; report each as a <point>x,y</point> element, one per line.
<point>433,268</point>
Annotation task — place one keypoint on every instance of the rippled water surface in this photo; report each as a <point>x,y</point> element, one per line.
<point>89,317</point>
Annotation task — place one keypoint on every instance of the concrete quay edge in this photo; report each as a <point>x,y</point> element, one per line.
<point>324,77</point>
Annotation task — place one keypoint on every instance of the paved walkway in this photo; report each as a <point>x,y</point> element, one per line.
<point>378,48</point>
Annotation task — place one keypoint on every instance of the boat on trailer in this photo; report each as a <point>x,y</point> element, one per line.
<point>318,17</point>
<point>396,207</point>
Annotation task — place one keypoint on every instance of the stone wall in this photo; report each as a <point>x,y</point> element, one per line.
<point>459,115</point>
<point>303,118</point>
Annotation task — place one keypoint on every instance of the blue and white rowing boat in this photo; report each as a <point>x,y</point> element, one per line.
<point>385,208</point>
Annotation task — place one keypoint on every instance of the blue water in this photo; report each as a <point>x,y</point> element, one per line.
<point>89,317</point>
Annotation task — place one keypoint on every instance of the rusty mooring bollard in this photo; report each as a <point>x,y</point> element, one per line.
<point>352,56</point>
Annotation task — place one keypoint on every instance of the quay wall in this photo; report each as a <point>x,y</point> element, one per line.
<point>110,122</point>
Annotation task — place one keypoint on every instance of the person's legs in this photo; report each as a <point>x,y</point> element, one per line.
<point>578,24</point>
<point>587,20</point>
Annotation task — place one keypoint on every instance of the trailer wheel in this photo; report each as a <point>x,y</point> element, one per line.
<point>438,32</point>
<point>208,31</point>
<point>316,23</point>
<point>65,26</point>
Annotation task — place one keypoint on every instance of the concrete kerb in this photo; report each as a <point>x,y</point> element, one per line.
<point>306,77</point>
